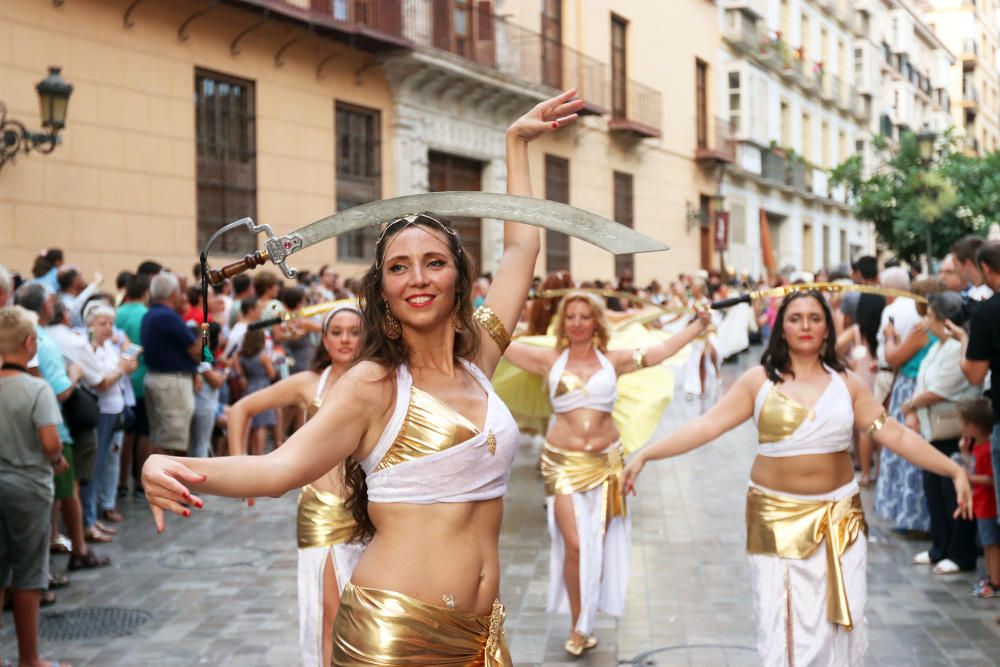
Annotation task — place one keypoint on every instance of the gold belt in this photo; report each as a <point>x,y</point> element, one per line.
<point>389,629</point>
<point>322,521</point>
<point>567,471</point>
<point>794,528</point>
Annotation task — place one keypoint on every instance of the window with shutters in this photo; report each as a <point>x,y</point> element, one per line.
<point>552,48</point>
<point>452,172</point>
<point>734,102</point>
<point>226,148</point>
<point>624,214</point>
<point>556,189</point>
<point>619,68</point>
<point>359,174</point>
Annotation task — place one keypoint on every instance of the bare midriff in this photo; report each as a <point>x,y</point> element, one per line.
<point>809,474</point>
<point>436,553</point>
<point>583,429</point>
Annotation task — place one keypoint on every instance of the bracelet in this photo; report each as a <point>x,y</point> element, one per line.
<point>639,357</point>
<point>879,422</point>
<point>485,316</point>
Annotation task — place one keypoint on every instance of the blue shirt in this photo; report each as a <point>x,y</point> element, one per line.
<point>52,366</point>
<point>166,339</point>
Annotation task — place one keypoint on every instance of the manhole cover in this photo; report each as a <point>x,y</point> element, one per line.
<point>213,559</point>
<point>90,622</point>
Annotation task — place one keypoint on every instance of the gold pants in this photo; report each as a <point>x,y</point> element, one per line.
<point>388,629</point>
<point>794,528</point>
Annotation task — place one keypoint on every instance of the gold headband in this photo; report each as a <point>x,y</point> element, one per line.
<point>834,288</point>
<point>410,220</point>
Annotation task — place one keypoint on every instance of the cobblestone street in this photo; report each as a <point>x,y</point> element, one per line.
<point>219,589</point>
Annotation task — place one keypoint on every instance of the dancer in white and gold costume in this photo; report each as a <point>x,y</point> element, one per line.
<point>325,529</point>
<point>582,459</point>
<point>806,530</point>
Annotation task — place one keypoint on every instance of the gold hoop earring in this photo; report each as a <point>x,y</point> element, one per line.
<point>564,341</point>
<point>596,340</point>
<point>391,326</point>
<point>456,318</point>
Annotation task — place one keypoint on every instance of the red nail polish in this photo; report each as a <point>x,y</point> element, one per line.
<point>187,512</point>
<point>555,124</point>
<point>198,504</point>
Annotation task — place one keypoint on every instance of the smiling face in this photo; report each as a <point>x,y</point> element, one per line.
<point>342,337</point>
<point>419,277</point>
<point>103,328</point>
<point>578,321</point>
<point>804,326</point>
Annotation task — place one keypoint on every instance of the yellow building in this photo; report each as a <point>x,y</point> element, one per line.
<point>187,114</point>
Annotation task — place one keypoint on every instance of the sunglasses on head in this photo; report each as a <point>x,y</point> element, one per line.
<point>406,221</point>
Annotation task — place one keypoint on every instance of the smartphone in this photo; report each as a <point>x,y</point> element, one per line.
<point>132,351</point>
<point>892,320</point>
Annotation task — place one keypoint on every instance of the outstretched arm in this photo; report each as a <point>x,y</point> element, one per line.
<point>521,243</point>
<point>869,413</point>
<point>734,408</point>
<point>627,361</point>
<point>357,401</point>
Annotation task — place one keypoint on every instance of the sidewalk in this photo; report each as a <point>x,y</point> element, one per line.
<point>220,588</point>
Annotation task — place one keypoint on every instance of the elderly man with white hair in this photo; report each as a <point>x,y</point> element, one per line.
<point>171,352</point>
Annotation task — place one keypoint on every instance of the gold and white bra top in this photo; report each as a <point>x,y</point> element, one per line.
<point>567,391</point>
<point>317,401</point>
<point>785,427</point>
<point>429,453</point>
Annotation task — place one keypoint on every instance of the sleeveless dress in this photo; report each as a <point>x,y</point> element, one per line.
<point>323,529</point>
<point>256,376</point>
<point>808,553</point>
<point>593,481</point>
<point>429,454</point>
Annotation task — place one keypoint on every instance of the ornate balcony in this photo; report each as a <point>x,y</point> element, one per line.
<point>636,111</point>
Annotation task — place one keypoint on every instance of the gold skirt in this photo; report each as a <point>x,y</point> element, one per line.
<point>385,628</point>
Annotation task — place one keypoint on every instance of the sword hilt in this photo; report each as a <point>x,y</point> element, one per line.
<point>251,261</point>
<point>275,249</point>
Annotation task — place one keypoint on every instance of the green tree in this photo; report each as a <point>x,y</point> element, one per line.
<point>956,195</point>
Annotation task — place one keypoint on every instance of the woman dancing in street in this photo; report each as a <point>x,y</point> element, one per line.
<point>582,460</point>
<point>433,441</point>
<point>324,527</point>
<point>806,530</point>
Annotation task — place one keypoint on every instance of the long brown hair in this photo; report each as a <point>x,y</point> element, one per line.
<point>542,309</point>
<point>321,358</point>
<point>776,359</point>
<point>392,353</point>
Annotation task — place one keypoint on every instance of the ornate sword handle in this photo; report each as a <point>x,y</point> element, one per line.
<point>275,249</point>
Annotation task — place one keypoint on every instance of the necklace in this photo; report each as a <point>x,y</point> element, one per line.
<point>7,366</point>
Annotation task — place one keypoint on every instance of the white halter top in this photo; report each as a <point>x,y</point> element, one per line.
<point>429,453</point>
<point>568,392</point>
<point>785,427</point>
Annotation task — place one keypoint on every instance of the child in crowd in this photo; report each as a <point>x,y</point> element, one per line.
<point>976,420</point>
<point>255,365</point>
<point>30,452</point>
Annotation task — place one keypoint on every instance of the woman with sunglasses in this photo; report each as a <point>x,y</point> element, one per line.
<point>324,526</point>
<point>429,445</point>
<point>806,530</point>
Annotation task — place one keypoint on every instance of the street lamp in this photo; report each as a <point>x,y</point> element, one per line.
<point>53,100</point>
<point>925,145</point>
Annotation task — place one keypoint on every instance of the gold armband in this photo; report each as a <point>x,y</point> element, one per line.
<point>639,357</point>
<point>487,319</point>
<point>878,423</point>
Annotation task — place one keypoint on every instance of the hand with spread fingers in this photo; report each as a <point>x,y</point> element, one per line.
<point>963,491</point>
<point>547,116</point>
<point>166,481</point>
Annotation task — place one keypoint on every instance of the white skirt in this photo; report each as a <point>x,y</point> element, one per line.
<point>789,600</point>
<point>699,357</point>
<point>604,560</point>
<point>312,564</point>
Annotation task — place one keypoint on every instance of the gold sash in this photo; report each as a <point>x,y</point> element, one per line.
<point>386,629</point>
<point>567,471</point>
<point>322,519</point>
<point>794,528</point>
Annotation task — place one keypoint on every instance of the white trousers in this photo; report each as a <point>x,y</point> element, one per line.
<point>604,560</point>
<point>312,565</point>
<point>789,600</point>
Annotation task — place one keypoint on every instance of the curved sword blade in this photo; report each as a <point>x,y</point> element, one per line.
<point>599,231</point>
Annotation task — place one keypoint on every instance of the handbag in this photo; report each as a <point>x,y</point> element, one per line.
<point>80,411</point>
<point>943,417</point>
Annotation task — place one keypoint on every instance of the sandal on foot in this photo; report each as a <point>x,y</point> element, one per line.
<point>87,561</point>
<point>60,545</point>
<point>46,599</point>
<point>58,581</point>
<point>986,591</point>
<point>105,528</point>
<point>946,566</point>
<point>113,515</point>
<point>92,534</point>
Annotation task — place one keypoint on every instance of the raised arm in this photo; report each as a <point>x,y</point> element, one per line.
<point>627,361</point>
<point>521,243</point>
<point>898,352</point>
<point>530,358</point>
<point>869,416</point>
<point>355,406</point>
<point>734,408</point>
